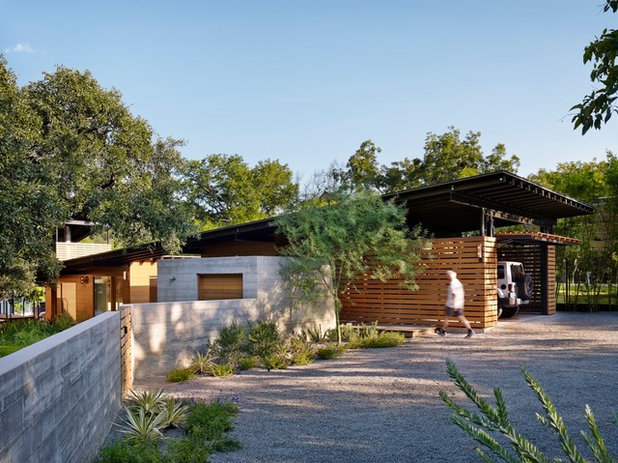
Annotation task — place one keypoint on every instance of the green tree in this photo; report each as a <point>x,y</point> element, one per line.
<point>29,204</point>
<point>225,190</point>
<point>448,157</point>
<point>362,170</point>
<point>72,149</point>
<point>354,235</point>
<point>597,107</point>
<point>591,264</point>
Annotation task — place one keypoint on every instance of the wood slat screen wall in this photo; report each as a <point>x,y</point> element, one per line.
<point>126,371</point>
<point>536,265</point>
<point>220,286</point>
<point>473,258</point>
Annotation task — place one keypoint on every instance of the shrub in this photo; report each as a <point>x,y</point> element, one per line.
<point>377,340</point>
<point>180,375</point>
<point>264,338</point>
<point>330,352</point>
<point>222,369</point>
<point>62,322</point>
<point>246,363</point>
<point>124,452</point>
<point>210,421</point>
<point>302,352</point>
<point>315,333</point>
<point>274,361</point>
<point>201,363</point>
<point>496,420</point>
<point>231,341</point>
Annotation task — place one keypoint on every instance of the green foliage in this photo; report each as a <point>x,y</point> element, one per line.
<point>330,245</point>
<point>180,375</point>
<point>377,340</point>
<point>265,338</point>
<point>150,401</point>
<point>589,269</point>
<point>62,322</point>
<point>224,190</point>
<point>315,333</point>
<point>597,108</point>
<point>446,157</point>
<point>495,420</point>
<point>248,362</point>
<point>17,334</point>
<point>231,341</point>
<point>330,351</point>
<point>201,363</point>
<point>70,148</point>
<point>301,351</point>
<point>174,412</point>
<point>142,427</point>
<point>125,452</point>
<point>222,369</point>
<point>205,431</point>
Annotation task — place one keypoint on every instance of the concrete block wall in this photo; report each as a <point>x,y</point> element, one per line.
<point>58,397</point>
<point>178,278</point>
<point>178,281</point>
<point>166,335</point>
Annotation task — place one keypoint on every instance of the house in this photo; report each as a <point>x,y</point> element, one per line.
<point>462,215</point>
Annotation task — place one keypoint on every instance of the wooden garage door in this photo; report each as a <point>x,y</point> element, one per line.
<point>219,286</point>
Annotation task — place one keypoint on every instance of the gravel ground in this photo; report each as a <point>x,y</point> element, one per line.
<point>383,405</point>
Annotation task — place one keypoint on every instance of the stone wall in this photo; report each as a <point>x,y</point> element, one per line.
<point>58,397</point>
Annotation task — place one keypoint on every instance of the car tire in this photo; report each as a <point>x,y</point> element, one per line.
<point>508,312</point>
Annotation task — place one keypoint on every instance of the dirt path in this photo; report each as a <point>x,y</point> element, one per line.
<point>383,405</point>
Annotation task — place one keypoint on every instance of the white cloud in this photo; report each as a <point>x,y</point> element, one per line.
<point>20,48</point>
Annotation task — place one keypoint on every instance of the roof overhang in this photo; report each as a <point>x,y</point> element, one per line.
<point>461,205</point>
<point>535,238</point>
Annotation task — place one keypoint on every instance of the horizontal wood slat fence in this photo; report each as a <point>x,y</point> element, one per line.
<point>473,258</point>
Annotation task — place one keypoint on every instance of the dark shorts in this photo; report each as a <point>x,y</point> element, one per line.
<point>451,312</point>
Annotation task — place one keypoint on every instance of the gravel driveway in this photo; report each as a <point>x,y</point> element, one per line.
<point>378,405</point>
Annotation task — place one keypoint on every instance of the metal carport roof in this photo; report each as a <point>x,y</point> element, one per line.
<point>457,206</point>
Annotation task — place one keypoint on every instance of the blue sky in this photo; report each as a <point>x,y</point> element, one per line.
<point>306,82</point>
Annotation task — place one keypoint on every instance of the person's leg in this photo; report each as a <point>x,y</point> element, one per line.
<point>463,320</point>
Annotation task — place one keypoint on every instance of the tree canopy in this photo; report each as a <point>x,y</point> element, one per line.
<point>353,235</point>
<point>598,106</point>
<point>446,157</point>
<point>225,190</point>
<point>72,150</point>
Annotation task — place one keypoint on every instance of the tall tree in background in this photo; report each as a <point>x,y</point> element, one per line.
<point>30,208</point>
<point>73,150</point>
<point>591,265</point>
<point>225,190</point>
<point>446,157</point>
<point>597,107</point>
<point>353,235</point>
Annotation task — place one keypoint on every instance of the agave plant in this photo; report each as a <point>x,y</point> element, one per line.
<point>175,413</point>
<point>140,427</point>
<point>149,401</point>
<point>201,363</point>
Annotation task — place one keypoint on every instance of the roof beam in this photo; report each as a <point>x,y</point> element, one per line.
<point>496,210</point>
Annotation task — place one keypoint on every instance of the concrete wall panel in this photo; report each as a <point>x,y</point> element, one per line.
<point>60,395</point>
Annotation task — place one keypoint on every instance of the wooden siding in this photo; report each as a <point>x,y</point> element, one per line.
<point>126,367</point>
<point>540,262</point>
<point>220,286</point>
<point>240,248</point>
<point>473,258</point>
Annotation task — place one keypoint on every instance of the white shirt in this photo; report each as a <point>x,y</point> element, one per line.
<point>455,298</point>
